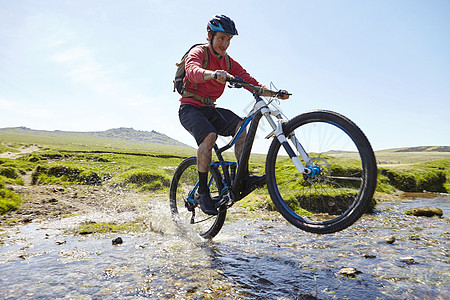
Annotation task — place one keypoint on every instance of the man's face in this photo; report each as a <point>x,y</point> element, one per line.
<point>221,42</point>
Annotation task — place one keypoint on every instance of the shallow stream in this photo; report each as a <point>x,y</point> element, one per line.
<point>262,258</point>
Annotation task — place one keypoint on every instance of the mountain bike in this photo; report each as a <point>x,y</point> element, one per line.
<point>320,170</point>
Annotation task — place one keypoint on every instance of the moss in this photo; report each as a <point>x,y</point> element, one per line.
<point>431,181</point>
<point>146,179</point>
<point>9,172</point>
<point>8,201</point>
<point>256,201</point>
<point>62,174</point>
<point>89,178</point>
<point>110,227</point>
<point>383,185</point>
<point>20,167</point>
<point>414,180</point>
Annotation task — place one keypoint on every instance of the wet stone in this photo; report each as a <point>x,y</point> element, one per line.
<point>425,211</point>
<point>389,239</point>
<point>409,260</point>
<point>117,241</point>
<point>349,272</point>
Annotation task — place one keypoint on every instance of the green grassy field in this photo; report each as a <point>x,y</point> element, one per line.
<point>74,142</point>
<point>393,158</point>
<point>75,158</point>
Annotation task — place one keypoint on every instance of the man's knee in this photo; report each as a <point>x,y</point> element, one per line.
<point>210,140</point>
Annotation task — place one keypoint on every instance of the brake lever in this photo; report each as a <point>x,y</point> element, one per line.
<point>235,85</point>
<point>283,93</point>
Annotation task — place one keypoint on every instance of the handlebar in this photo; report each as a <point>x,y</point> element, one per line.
<point>237,82</point>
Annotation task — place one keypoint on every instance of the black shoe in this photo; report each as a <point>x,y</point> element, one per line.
<point>254,182</point>
<point>207,204</point>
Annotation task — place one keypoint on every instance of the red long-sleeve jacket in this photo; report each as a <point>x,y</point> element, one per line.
<point>210,88</point>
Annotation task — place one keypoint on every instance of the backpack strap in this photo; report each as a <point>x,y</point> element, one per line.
<point>204,64</point>
<point>227,59</point>
<point>206,59</point>
<point>204,100</point>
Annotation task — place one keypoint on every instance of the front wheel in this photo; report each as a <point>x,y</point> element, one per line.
<point>341,186</point>
<point>186,212</point>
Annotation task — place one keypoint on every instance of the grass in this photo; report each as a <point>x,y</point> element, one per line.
<point>150,179</point>
<point>108,227</point>
<point>432,176</point>
<point>8,199</point>
<point>73,141</point>
<point>149,167</point>
<point>139,224</point>
<point>393,158</point>
<point>9,147</point>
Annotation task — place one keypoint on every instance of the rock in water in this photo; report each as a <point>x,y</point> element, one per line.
<point>117,241</point>
<point>389,239</point>
<point>407,260</point>
<point>425,211</point>
<point>349,272</point>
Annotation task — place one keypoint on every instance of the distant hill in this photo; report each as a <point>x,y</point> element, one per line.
<point>138,136</point>
<point>425,149</point>
<point>122,134</point>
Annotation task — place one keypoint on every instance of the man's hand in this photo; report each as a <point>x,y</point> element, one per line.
<point>218,75</point>
<point>221,76</point>
<point>283,95</point>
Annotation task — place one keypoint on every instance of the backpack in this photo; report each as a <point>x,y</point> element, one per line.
<point>178,84</point>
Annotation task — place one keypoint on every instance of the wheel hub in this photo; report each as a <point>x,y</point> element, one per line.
<point>318,173</point>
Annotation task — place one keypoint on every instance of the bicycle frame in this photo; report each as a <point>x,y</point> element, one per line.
<point>259,110</point>
<point>315,196</point>
<point>251,120</point>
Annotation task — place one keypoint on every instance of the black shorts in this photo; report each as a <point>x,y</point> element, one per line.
<point>202,121</point>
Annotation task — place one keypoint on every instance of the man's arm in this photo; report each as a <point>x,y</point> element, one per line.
<point>193,66</point>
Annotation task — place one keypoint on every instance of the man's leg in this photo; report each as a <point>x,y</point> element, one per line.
<point>239,146</point>
<point>197,122</point>
<point>204,154</point>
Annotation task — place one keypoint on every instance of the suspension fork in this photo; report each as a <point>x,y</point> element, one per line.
<point>278,133</point>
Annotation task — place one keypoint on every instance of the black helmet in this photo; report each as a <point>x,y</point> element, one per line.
<point>221,23</point>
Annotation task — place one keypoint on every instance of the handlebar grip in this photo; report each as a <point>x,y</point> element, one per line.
<point>284,93</point>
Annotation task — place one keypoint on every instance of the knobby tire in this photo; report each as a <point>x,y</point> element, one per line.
<point>183,182</point>
<point>343,191</point>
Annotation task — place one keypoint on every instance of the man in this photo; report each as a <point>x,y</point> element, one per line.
<point>198,113</point>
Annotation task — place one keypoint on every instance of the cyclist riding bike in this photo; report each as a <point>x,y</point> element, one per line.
<point>198,112</point>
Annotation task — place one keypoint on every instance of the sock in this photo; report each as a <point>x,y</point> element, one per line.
<point>203,182</point>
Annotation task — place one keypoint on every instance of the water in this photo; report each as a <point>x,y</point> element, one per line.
<point>422,199</point>
<point>262,258</point>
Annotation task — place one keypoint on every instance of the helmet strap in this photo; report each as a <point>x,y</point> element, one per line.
<point>213,33</point>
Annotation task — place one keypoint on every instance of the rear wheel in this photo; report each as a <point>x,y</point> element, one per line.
<point>343,174</point>
<point>186,212</point>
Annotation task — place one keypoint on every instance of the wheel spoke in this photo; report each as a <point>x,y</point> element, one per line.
<point>186,212</point>
<point>324,200</point>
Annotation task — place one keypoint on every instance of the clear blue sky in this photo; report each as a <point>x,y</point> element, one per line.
<point>100,64</point>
